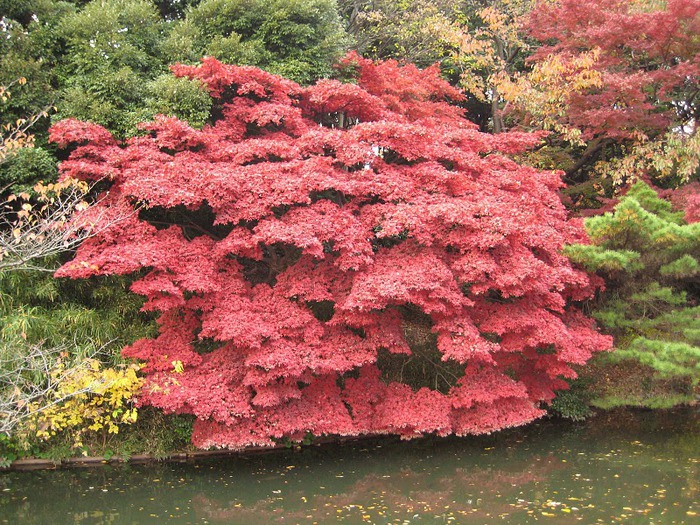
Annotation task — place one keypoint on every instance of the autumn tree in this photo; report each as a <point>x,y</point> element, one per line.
<point>55,365</point>
<point>634,68</point>
<point>312,245</point>
<point>479,44</point>
<point>488,45</point>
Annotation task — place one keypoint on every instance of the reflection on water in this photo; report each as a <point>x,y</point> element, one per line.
<point>625,468</point>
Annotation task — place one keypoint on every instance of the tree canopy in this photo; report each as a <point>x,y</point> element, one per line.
<point>287,245</point>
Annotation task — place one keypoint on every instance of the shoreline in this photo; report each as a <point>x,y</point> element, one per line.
<point>32,463</point>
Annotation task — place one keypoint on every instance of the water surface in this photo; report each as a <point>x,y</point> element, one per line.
<point>629,468</point>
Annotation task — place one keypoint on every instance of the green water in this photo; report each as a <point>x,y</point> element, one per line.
<point>624,468</point>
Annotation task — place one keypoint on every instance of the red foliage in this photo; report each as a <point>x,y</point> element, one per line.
<point>650,61</point>
<point>283,255</point>
<point>686,198</point>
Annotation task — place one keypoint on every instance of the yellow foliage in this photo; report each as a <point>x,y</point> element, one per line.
<point>42,222</point>
<point>14,135</point>
<point>54,189</point>
<point>178,367</point>
<point>544,92</point>
<point>486,53</point>
<point>673,155</point>
<point>88,398</point>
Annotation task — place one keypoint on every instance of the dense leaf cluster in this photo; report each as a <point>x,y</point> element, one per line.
<point>285,244</point>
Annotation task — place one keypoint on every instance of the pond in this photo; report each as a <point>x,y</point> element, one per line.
<point>622,467</point>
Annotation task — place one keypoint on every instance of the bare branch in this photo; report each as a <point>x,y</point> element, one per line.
<point>35,228</point>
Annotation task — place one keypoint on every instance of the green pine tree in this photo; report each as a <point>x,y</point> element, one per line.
<point>649,257</point>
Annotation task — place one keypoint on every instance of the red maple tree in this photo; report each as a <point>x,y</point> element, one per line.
<point>649,61</point>
<point>285,243</point>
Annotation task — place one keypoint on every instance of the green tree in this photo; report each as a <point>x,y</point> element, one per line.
<point>182,97</point>
<point>28,52</point>
<point>406,30</point>
<point>111,55</point>
<point>299,39</point>
<point>649,257</point>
